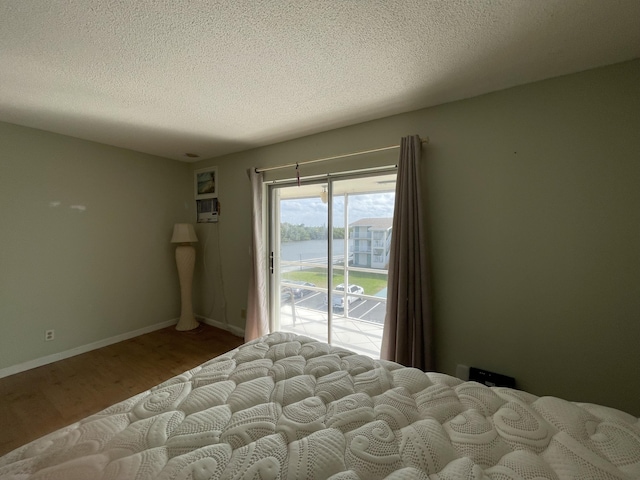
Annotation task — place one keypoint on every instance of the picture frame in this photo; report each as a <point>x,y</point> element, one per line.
<point>205,183</point>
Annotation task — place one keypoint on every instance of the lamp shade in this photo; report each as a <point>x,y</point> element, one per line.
<point>324,195</point>
<point>183,233</point>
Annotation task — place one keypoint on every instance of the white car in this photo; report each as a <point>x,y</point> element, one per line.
<point>338,299</point>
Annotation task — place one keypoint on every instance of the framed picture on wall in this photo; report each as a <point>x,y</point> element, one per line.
<point>206,183</point>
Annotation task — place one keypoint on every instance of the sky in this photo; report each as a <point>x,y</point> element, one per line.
<point>311,212</point>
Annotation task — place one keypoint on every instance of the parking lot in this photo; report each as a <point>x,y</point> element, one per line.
<point>366,309</point>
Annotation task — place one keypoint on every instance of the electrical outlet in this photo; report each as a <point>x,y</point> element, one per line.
<point>462,372</point>
<point>243,313</point>
<point>49,335</point>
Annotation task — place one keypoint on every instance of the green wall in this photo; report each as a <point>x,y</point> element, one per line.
<point>84,237</point>
<point>534,221</point>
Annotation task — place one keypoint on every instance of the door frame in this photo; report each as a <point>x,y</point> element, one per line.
<point>273,241</point>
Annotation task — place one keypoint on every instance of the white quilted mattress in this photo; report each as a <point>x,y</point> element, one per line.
<point>285,407</point>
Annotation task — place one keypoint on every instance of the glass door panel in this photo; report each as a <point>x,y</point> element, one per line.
<point>299,237</point>
<point>362,221</point>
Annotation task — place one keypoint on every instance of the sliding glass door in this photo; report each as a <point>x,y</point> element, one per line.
<point>330,242</point>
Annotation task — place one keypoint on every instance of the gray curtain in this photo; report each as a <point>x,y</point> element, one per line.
<point>257,323</point>
<point>407,337</point>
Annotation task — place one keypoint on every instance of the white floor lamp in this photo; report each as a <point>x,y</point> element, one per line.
<point>184,234</point>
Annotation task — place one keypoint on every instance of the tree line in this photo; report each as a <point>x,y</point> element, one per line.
<point>298,233</point>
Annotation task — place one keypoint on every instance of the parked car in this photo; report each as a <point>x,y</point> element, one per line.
<point>338,299</point>
<point>300,291</point>
<point>286,295</point>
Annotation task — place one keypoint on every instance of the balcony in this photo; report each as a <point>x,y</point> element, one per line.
<point>360,236</point>
<point>359,336</point>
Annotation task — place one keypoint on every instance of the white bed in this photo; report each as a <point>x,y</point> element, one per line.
<point>286,406</point>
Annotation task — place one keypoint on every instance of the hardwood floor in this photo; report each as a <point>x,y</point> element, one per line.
<point>42,400</point>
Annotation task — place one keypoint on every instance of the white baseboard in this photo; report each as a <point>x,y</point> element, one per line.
<point>54,357</point>
<point>237,331</point>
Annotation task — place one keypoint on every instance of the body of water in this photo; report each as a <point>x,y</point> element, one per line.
<point>309,249</point>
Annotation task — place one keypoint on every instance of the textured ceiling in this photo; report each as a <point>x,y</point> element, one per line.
<point>214,77</point>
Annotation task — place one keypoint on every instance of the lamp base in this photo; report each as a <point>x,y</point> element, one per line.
<point>185,261</point>
<point>186,323</point>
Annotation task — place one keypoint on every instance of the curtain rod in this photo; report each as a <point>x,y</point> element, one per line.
<point>336,157</point>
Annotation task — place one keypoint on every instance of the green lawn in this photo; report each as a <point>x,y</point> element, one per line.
<point>371,282</point>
